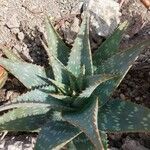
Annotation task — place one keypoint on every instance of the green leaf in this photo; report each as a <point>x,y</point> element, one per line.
<point>86,121</point>
<point>123,116</point>
<point>80,80</point>
<point>105,90</point>
<point>36,94</point>
<point>23,119</point>
<point>81,142</point>
<point>61,74</point>
<point>81,53</point>
<point>110,46</point>
<point>62,87</point>
<point>11,55</point>
<point>117,64</point>
<point>29,74</point>
<point>121,62</point>
<point>50,102</point>
<point>55,134</point>
<point>71,146</point>
<point>42,97</point>
<point>56,46</point>
<point>104,139</point>
<point>92,82</point>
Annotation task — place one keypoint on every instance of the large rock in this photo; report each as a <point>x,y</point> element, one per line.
<point>105,15</point>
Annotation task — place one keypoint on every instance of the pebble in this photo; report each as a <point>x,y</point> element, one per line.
<point>2,144</point>
<point>113,148</point>
<point>15,30</point>
<point>126,36</point>
<point>20,36</point>
<point>13,22</point>
<point>8,95</point>
<point>133,145</point>
<point>122,96</point>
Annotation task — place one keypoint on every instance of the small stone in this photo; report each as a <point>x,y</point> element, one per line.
<point>20,36</point>
<point>8,95</point>
<point>126,36</point>
<point>137,98</point>
<point>2,144</point>
<point>132,145</point>
<point>13,22</point>
<point>122,96</point>
<point>113,148</point>
<point>17,47</point>
<point>15,30</point>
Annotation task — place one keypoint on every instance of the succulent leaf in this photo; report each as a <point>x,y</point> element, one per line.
<point>23,119</point>
<point>106,89</point>
<point>71,146</point>
<point>62,87</point>
<point>11,55</point>
<point>86,121</point>
<point>29,74</point>
<point>61,74</point>
<point>110,46</point>
<point>124,116</point>
<point>50,102</point>
<point>81,53</point>
<point>104,140</point>
<point>122,61</point>
<point>92,82</point>
<point>36,94</point>
<point>82,142</point>
<point>56,46</point>
<point>55,134</point>
<point>119,63</point>
<point>38,98</point>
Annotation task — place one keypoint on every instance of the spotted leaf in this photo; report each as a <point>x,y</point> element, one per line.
<point>56,46</point>
<point>55,134</point>
<point>23,119</point>
<point>49,102</point>
<point>81,53</point>
<point>36,94</point>
<point>29,74</point>
<point>106,89</point>
<point>86,121</point>
<point>82,142</point>
<point>71,146</point>
<point>110,46</point>
<point>104,139</point>
<point>91,83</point>
<point>11,55</point>
<point>123,116</point>
<point>121,62</point>
<point>61,73</point>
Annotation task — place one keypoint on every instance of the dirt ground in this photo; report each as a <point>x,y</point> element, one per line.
<point>21,24</point>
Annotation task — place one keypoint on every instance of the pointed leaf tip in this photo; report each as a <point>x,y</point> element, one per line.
<point>27,73</point>
<point>81,52</point>
<point>86,121</point>
<point>110,46</point>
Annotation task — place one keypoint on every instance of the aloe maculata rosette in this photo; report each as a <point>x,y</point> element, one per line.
<point>69,103</point>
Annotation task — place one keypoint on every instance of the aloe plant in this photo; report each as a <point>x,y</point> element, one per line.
<point>72,105</point>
